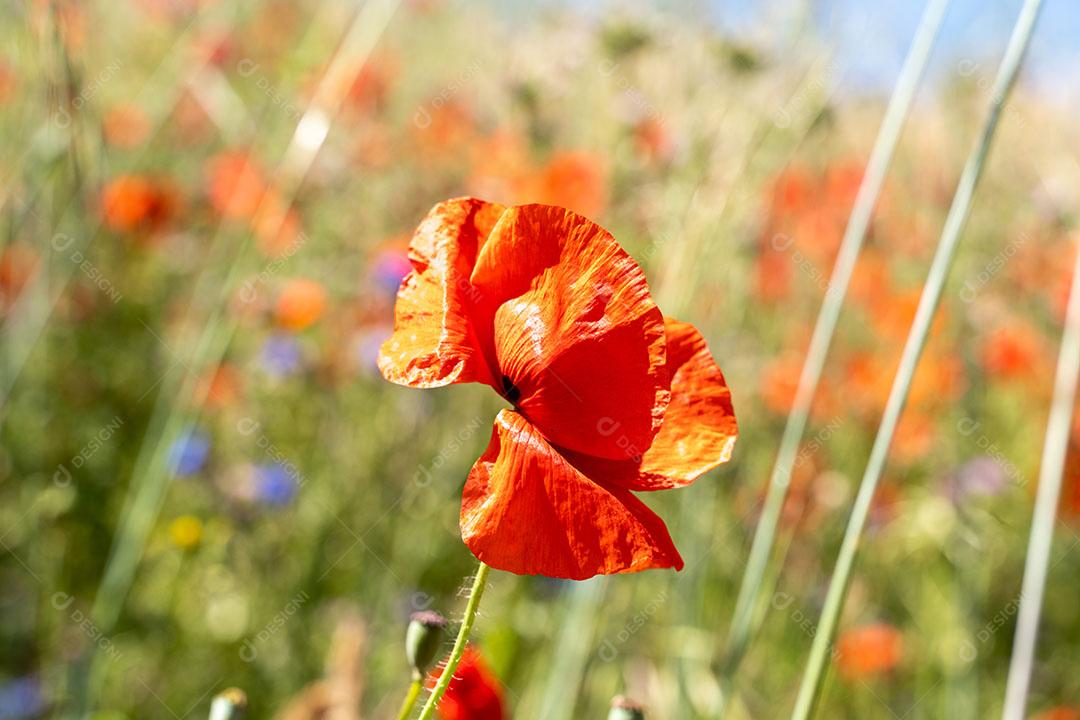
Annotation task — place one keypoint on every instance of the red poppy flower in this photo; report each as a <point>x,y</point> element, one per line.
<point>608,395</point>
<point>474,693</point>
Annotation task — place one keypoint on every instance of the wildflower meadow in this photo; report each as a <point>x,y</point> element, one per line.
<point>468,360</point>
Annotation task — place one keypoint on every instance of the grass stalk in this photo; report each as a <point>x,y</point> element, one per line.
<point>862,212</point>
<point>1051,468</point>
<point>916,341</point>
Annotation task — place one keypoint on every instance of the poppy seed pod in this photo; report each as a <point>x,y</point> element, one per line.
<point>423,639</point>
<point>229,705</point>
<point>623,708</point>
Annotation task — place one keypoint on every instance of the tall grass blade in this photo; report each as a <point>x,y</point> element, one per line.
<point>869,190</point>
<point>924,315</point>
<point>1051,469</point>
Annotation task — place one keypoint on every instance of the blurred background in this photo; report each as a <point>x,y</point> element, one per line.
<point>205,482</point>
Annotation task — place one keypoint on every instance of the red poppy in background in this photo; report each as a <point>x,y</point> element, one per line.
<point>1012,351</point>
<point>300,304</point>
<point>608,395</point>
<point>221,387</point>
<point>371,87</point>
<point>235,184</point>
<point>18,265</point>
<point>572,179</point>
<point>869,650</point>
<point>474,693</point>
<point>133,203</point>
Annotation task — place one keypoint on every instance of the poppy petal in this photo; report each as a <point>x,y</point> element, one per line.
<point>474,692</point>
<point>578,338</point>
<point>699,428</point>
<point>437,340</point>
<point>525,509</point>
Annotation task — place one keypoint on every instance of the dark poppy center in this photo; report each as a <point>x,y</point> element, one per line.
<point>510,390</point>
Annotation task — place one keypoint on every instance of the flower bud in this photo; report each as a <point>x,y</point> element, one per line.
<point>229,705</point>
<point>623,708</point>
<point>423,639</point>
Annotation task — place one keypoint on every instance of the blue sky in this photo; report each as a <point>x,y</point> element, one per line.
<point>975,30</point>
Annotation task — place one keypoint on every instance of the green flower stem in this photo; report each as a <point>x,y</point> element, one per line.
<point>742,626</point>
<point>924,315</point>
<point>1036,566</point>
<point>410,699</point>
<point>459,644</point>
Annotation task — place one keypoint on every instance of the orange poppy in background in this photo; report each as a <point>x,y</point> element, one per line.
<point>221,387</point>
<point>842,180</point>
<point>134,203</point>
<point>18,265</point>
<point>575,180</point>
<point>792,191</point>
<point>779,384</point>
<point>869,650</point>
<point>371,87</point>
<point>869,378</point>
<point>914,437</point>
<point>474,693</point>
<point>871,283</point>
<point>773,274</point>
<point>608,395</point>
<point>893,316</point>
<point>235,184</point>
<point>300,304</point>
<point>501,167</point>
<point>1012,351</point>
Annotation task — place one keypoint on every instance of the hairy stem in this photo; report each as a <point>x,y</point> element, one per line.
<point>459,644</point>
